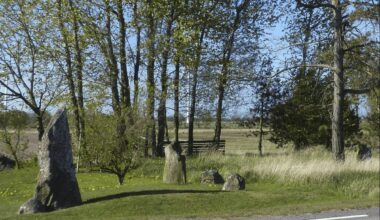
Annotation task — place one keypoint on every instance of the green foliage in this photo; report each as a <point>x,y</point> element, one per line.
<point>106,149</point>
<point>14,119</point>
<point>304,118</point>
<point>12,139</point>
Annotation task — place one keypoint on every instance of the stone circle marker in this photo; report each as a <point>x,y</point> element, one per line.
<point>364,152</point>
<point>234,182</point>
<point>6,162</point>
<point>211,177</point>
<point>175,166</point>
<point>57,186</point>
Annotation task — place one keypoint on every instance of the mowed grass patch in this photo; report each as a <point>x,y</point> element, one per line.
<point>147,197</point>
<point>307,181</point>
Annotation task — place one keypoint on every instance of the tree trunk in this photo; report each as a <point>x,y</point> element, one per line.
<point>305,46</point>
<point>40,127</point>
<point>112,63</point>
<point>113,67</point>
<point>120,178</point>
<point>219,110</point>
<point>176,99</point>
<point>77,101</point>
<point>337,120</point>
<point>151,128</point>
<point>15,149</point>
<point>138,59</point>
<point>228,47</point>
<point>167,130</point>
<point>164,87</point>
<point>125,90</point>
<point>221,89</point>
<point>69,71</point>
<point>194,92</point>
<point>79,76</point>
<point>261,127</point>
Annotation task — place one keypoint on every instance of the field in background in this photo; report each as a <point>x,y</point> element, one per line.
<point>238,141</point>
<point>29,136</point>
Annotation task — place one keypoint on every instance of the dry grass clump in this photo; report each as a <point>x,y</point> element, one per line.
<point>311,166</point>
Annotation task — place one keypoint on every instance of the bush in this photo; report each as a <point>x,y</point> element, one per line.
<point>107,149</point>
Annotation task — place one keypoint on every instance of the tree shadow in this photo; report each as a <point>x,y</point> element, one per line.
<point>144,193</point>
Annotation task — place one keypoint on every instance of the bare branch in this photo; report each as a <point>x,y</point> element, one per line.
<point>323,66</point>
<point>370,86</point>
<point>316,5</point>
<point>357,91</point>
<point>361,45</point>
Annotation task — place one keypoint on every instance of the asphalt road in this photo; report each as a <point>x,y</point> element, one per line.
<point>355,214</point>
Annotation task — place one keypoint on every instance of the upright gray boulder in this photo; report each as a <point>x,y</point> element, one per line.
<point>57,186</point>
<point>364,152</point>
<point>175,166</point>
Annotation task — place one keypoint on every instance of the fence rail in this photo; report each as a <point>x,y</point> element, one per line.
<point>203,146</point>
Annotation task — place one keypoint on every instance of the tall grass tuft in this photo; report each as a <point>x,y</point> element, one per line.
<point>311,166</point>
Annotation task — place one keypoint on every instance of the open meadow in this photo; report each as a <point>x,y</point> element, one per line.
<point>282,182</point>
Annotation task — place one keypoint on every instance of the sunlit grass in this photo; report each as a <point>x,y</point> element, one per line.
<point>281,182</point>
<point>288,183</point>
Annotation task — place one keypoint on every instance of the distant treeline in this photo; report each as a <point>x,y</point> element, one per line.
<point>20,119</point>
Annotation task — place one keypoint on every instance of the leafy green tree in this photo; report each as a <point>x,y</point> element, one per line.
<point>26,68</point>
<point>346,27</point>
<point>106,152</point>
<point>267,91</point>
<point>304,118</point>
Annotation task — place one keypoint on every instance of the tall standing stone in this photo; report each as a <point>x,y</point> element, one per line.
<point>57,186</point>
<point>175,166</point>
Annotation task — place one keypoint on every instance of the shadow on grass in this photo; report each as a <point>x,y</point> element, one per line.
<point>145,193</point>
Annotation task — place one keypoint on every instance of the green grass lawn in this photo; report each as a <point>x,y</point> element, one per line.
<point>283,182</point>
<point>145,196</point>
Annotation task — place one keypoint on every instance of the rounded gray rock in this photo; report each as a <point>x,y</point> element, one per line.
<point>6,162</point>
<point>211,177</point>
<point>364,152</point>
<point>234,182</point>
<point>32,206</point>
